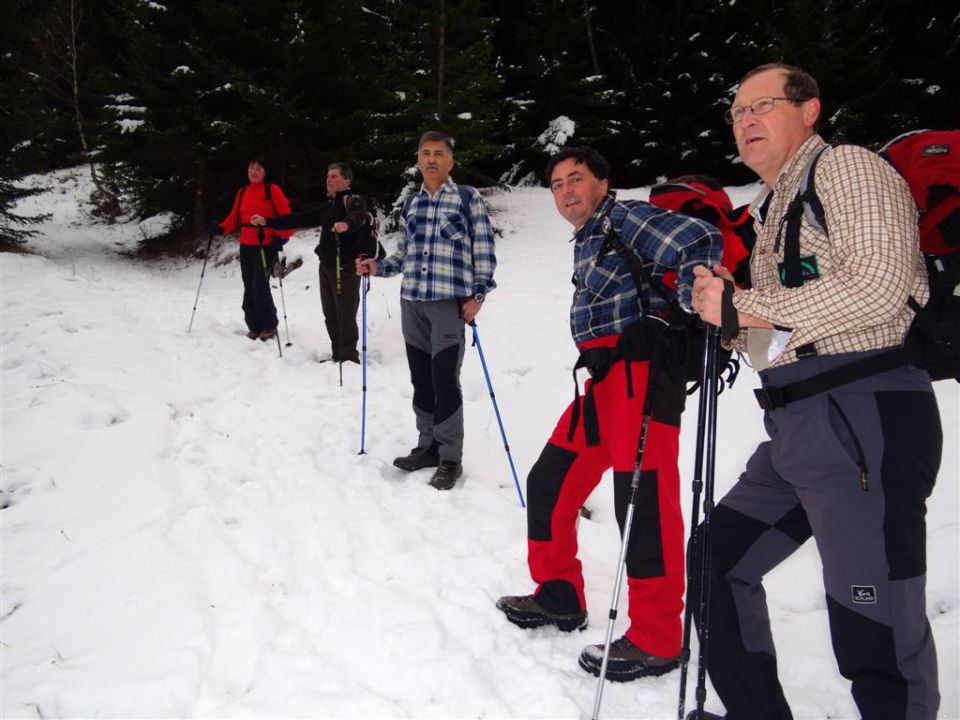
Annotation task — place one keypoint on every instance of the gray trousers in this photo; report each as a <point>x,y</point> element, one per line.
<point>852,467</point>
<point>435,338</point>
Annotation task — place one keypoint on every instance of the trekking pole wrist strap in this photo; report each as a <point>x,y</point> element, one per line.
<point>729,317</point>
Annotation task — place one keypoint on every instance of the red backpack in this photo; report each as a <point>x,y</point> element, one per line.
<point>704,198</point>
<point>929,161</point>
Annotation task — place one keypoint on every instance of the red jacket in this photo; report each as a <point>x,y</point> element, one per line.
<point>252,200</point>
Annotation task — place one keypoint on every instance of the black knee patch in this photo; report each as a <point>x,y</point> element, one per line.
<point>421,378</point>
<point>560,597</point>
<point>449,399</point>
<point>866,655</point>
<point>912,445</point>
<point>543,489</point>
<point>645,548</point>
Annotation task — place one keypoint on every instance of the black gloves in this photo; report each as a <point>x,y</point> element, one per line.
<point>214,229</point>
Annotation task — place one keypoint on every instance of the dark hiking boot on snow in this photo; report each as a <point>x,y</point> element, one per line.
<point>268,334</point>
<point>627,661</point>
<point>692,715</point>
<point>418,459</point>
<point>446,475</point>
<point>525,611</point>
<point>253,334</point>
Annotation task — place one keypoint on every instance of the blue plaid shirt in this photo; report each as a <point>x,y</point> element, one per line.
<point>438,258</point>
<point>605,299</point>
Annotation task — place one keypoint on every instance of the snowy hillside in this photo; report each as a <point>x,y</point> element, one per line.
<point>190,532</point>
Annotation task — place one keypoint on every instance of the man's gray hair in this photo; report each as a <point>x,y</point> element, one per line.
<point>436,136</point>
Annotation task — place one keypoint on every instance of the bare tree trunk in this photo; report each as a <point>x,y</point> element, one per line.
<point>590,42</point>
<point>441,52</point>
<point>107,200</point>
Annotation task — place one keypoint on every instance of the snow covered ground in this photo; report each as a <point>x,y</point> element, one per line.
<point>190,532</point>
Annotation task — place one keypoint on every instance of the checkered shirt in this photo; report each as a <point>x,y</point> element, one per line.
<point>605,298</point>
<point>868,265</point>
<point>438,258</point>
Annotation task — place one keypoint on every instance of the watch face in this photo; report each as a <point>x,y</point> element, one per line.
<point>479,297</point>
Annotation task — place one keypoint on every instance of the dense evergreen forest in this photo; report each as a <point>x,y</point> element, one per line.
<point>166,100</point>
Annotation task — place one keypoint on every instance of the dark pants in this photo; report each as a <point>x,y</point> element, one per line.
<point>340,310</point>
<point>852,468</point>
<point>434,334</point>
<point>259,312</point>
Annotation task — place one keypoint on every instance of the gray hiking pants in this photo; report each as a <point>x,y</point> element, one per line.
<point>852,467</point>
<point>435,338</point>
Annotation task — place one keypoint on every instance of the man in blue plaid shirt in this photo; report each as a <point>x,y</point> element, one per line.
<point>620,322</point>
<point>447,260</point>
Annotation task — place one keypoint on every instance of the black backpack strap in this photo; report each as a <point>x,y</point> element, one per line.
<point>807,204</point>
<point>240,202</point>
<point>773,398</point>
<point>266,193</point>
<point>638,271</point>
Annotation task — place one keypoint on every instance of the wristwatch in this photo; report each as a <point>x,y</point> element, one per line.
<point>479,297</point>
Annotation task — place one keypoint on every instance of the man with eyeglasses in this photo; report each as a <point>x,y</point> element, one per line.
<point>850,460</point>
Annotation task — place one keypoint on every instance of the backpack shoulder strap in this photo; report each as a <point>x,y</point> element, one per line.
<point>266,193</point>
<point>638,271</point>
<point>466,195</point>
<point>807,204</point>
<point>240,194</point>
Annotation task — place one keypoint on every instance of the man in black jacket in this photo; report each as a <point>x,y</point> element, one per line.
<point>344,235</point>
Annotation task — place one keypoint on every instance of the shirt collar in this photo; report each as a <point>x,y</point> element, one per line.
<point>790,173</point>
<point>448,186</point>
<point>590,226</point>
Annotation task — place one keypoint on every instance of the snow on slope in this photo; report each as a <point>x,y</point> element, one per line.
<point>191,532</point>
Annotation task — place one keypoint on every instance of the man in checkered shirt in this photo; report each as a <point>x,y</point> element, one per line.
<point>447,260</point>
<point>620,323</point>
<point>850,460</point>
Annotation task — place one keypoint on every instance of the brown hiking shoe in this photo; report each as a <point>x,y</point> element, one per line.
<point>268,334</point>
<point>418,459</point>
<point>526,612</point>
<point>446,475</point>
<point>627,661</point>
<point>253,334</point>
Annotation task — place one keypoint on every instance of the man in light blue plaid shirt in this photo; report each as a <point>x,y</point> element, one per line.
<point>447,260</point>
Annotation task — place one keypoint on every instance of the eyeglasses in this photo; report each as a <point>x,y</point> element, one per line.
<point>760,106</point>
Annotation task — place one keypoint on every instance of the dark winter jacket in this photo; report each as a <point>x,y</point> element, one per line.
<point>345,207</point>
<point>253,200</point>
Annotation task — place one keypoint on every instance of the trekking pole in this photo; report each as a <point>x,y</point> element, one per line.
<point>283,303</point>
<point>266,276</point>
<point>496,409</point>
<point>203,271</point>
<point>627,526</point>
<point>364,289</point>
<point>703,611</point>
<point>339,315</point>
<point>708,380</point>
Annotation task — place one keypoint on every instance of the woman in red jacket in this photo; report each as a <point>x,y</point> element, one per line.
<point>257,253</point>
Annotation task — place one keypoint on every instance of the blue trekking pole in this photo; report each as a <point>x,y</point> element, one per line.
<point>364,289</point>
<point>476,341</point>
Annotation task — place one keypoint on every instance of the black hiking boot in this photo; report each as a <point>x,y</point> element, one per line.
<point>446,475</point>
<point>418,459</point>
<point>526,612</point>
<point>627,661</point>
<point>692,715</point>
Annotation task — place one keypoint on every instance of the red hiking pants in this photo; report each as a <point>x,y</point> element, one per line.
<point>568,471</point>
